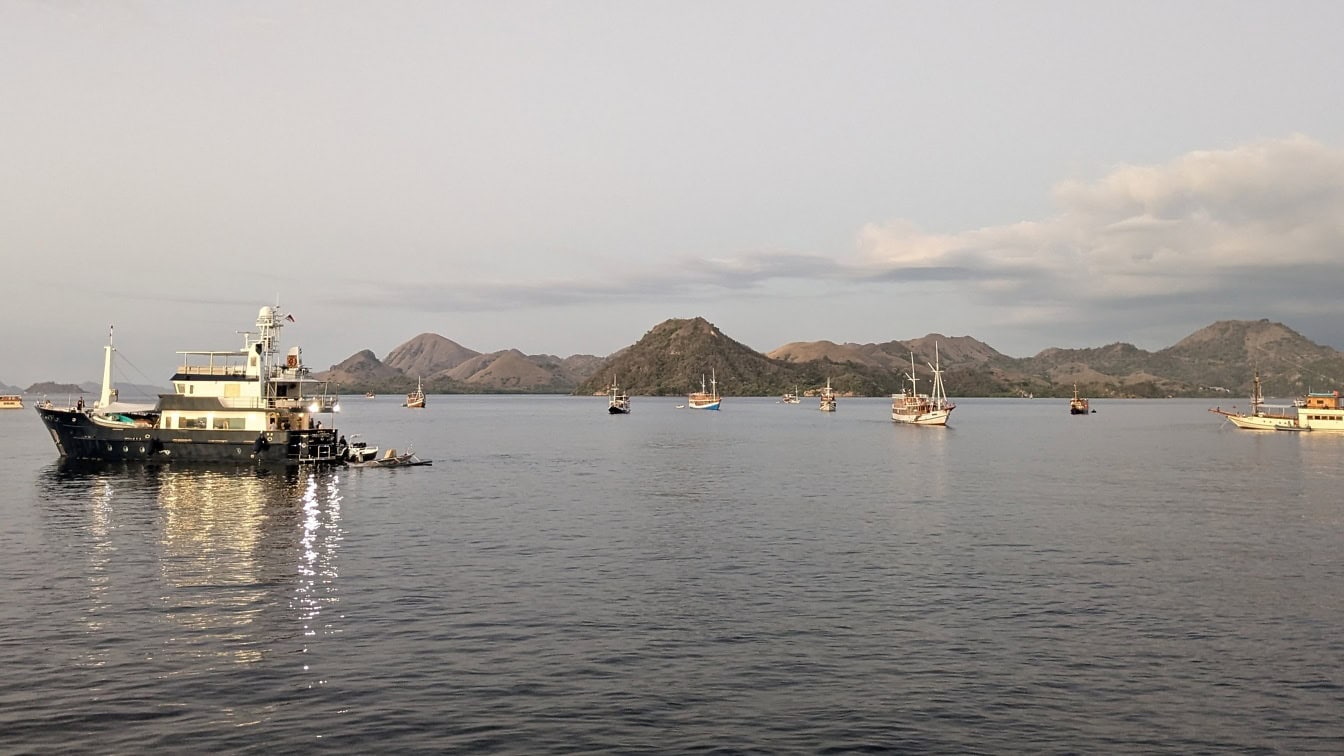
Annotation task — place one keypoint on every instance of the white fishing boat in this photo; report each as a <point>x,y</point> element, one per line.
<point>705,399</point>
<point>827,397</point>
<point>791,398</point>
<point>914,408</point>
<point>416,399</point>
<point>1266,416</point>
<point>11,401</point>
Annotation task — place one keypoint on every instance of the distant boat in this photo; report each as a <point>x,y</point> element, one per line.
<point>11,401</point>
<point>416,399</point>
<point>1278,418</point>
<point>618,402</point>
<point>827,397</point>
<point>1077,405</point>
<point>914,408</point>
<point>791,398</point>
<point>369,395</point>
<point>702,399</point>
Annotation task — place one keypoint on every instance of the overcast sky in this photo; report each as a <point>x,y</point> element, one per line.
<point>561,177</point>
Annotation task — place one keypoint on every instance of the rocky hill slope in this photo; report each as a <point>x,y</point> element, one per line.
<point>671,357</point>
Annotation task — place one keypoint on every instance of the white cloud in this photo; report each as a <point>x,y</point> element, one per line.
<point>1231,223</point>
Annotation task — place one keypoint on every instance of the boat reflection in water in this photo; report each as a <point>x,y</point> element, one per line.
<point>246,557</point>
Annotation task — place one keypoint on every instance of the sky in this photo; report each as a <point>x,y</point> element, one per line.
<point>560,177</point>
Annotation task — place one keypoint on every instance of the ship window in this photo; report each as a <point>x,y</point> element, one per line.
<point>191,389</point>
<point>229,423</point>
<point>192,422</point>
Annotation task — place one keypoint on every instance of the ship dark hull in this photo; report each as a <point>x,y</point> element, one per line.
<point>77,436</point>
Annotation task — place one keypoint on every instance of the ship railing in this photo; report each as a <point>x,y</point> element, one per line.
<point>191,370</point>
<point>323,403</point>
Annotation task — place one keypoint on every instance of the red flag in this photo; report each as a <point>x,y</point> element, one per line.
<point>290,318</point>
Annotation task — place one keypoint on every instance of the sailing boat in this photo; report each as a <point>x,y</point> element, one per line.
<point>618,402</point>
<point>1077,405</point>
<point>1259,419</point>
<point>828,397</point>
<point>791,398</point>
<point>915,408</point>
<point>702,399</point>
<point>416,399</point>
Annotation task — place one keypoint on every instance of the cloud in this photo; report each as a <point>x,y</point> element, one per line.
<point>1261,220</point>
<point>1253,230</point>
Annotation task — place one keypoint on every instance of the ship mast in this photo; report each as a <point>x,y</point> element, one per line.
<point>108,393</point>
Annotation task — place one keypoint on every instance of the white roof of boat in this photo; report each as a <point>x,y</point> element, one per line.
<point>126,408</point>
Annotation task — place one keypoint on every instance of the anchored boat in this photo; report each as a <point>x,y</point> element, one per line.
<point>1077,405</point>
<point>416,399</point>
<point>1264,416</point>
<point>827,397</point>
<point>915,408</point>
<point>618,402</point>
<point>245,405</point>
<point>705,399</point>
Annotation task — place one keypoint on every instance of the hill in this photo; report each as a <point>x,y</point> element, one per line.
<point>670,358</point>
<point>445,366</point>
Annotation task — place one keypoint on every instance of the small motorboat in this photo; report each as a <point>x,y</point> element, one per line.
<point>391,458</point>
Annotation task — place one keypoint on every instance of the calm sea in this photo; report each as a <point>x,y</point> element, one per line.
<point>767,578</point>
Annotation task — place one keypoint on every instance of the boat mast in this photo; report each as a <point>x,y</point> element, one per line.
<point>105,398</point>
<point>939,393</point>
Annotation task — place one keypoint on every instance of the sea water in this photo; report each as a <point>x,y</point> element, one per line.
<point>765,578</point>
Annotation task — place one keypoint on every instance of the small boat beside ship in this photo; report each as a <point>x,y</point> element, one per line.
<point>791,398</point>
<point>705,399</point>
<point>827,403</point>
<point>618,402</point>
<point>11,401</point>
<point>416,399</point>
<point>246,405</point>
<point>392,459</point>
<point>914,408</point>
<point>1077,405</point>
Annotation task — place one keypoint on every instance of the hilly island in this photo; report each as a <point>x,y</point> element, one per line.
<point>671,358</point>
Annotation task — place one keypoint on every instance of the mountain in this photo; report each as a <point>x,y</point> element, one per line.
<point>428,354</point>
<point>1218,359</point>
<point>671,357</point>
<point>362,371</point>
<point>448,367</point>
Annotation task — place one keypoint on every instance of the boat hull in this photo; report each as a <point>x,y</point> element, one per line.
<point>712,405</point>
<point>933,417</point>
<point>613,410</point>
<point>77,436</point>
